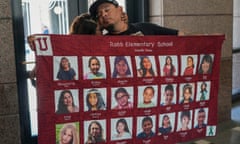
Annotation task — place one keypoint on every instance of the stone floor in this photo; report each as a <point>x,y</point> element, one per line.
<point>227,132</point>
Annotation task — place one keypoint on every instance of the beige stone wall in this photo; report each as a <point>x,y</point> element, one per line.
<point>9,109</point>
<point>203,17</point>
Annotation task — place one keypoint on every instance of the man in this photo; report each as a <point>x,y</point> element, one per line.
<point>201,116</point>
<point>111,17</point>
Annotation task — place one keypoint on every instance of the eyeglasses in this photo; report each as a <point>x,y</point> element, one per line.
<point>120,97</point>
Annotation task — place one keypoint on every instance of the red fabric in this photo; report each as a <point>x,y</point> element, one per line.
<point>50,48</point>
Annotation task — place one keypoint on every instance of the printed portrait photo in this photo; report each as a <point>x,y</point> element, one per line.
<point>206,64</point>
<point>203,90</point>
<point>66,101</point>
<point>200,118</point>
<point>95,99</point>
<point>121,128</point>
<point>184,120</point>
<point>65,68</point>
<point>147,96</point>
<point>168,94</point>
<point>188,65</point>
<point>169,65</point>
<point>67,133</point>
<point>146,126</point>
<point>186,93</point>
<point>95,131</point>
<point>146,66</point>
<point>94,67</point>
<point>121,67</point>
<point>166,123</point>
<point>122,98</point>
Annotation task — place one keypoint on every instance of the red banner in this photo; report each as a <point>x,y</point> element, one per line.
<point>127,89</point>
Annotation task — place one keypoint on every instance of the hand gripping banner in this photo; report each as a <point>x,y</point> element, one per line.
<point>127,89</point>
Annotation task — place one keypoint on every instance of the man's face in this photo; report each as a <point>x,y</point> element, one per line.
<point>108,15</point>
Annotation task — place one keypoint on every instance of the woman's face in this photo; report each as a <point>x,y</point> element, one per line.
<point>122,98</point>
<point>67,136</point>
<point>93,99</point>
<point>122,68</point>
<point>120,127</point>
<point>189,62</point>
<point>205,66</point>
<point>65,63</point>
<point>68,100</point>
<point>187,94</point>
<point>94,66</point>
<point>147,63</point>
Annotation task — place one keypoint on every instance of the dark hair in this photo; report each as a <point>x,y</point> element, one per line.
<point>126,129</point>
<point>147,118</point>
<point>149,87</point>
<point>169,87</point>
<point>83,24</point>
<point>144,70</point>
<point>116,61</point>
<point>191,59</point>
<point>92,58</point>
<point>201,110</point>
<point>60,64</point>
<point>120,90</point>
<point>100,102</point>
<point>61,106</point>
<point>206,58</point>
<point>100,137</point>
<point>165,116</point>
<point>187,86</point>
<point>185,113</point>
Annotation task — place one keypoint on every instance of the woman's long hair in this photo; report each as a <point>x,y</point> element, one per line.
<point>62,108</point>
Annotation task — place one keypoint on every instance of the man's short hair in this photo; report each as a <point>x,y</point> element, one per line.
<point>93,8</point>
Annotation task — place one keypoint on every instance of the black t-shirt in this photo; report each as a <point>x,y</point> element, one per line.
<point>147,29</point>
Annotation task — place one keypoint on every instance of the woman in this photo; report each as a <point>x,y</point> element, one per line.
<point>122,130</point>
<point>146,69</point>
<point>68,134</point>
<point>166,126</point>
<point>121,68</point>
<point>169,69</point>
<point>94,100</point>
<point>65,71</point>
<point>66,103</point>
